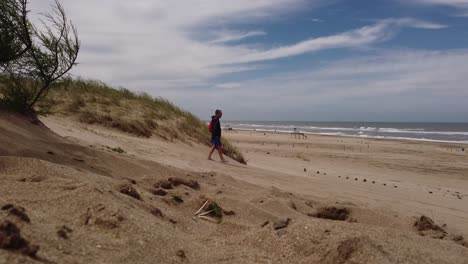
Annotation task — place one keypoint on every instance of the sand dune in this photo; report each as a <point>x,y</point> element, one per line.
<point>86,194</point>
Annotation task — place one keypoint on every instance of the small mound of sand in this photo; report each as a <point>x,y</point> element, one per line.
<point>425,223</point>
<point>281,223</point>
<point>11,239</point>
<point>165,184</point>
<point>64,232</point>
<point>159,192</point>
<point>17,211</point>
<point>345,250</point>
<point>129,190</point>
<point>332,213</point>
<point>156,212</point>
<point>189,183</point>
<point>426,226</point>
<point>359,250</point>
<point>175,181</point>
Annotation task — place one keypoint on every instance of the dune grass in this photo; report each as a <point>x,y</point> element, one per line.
<point>94,102</point>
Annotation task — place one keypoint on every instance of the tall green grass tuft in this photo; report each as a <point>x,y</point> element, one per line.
<point>94,102</point>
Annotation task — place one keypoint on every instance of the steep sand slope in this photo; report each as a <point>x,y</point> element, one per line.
<point>65,196</point>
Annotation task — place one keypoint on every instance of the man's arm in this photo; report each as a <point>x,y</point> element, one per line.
<point>215,131</point>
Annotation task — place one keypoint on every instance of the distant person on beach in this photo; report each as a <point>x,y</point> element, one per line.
<point>215,129</point>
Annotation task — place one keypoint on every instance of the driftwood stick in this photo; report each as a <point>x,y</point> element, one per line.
<point>201,208</point>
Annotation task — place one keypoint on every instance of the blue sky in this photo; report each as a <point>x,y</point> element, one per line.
<point>336,60</point>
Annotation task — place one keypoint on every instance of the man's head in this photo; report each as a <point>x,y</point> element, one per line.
<point>219,113</point>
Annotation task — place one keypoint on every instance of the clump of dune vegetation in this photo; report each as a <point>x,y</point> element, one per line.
<point>93,102</point>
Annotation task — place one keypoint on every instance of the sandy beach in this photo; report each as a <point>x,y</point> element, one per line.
<point>73,183</point>
<point>233,132</point>
<point>409,177</point>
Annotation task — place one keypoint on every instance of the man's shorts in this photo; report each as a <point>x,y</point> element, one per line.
<point>216,141</point>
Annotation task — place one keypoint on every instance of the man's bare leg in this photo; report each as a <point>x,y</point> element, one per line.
<point>220,151</point>
<point>211,152</point>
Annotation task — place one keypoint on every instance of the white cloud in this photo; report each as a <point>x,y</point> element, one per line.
<point>367,35</point>
<point>455,3</point>
<point>228,85</point>
<point>229,36</point>
<point>414,23</point>
<point>167,47</point>
<point>164,43</point>
<point>459,4</point>
<point>390,85</point>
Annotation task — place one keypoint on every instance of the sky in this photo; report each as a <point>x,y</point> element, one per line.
<point>294,60</point>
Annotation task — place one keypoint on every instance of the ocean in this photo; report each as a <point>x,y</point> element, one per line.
<point>444,132</point>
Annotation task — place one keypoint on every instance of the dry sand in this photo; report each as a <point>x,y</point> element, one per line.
<point>68,191</point>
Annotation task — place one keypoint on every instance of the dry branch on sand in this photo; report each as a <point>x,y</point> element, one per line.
<point>210,211</point>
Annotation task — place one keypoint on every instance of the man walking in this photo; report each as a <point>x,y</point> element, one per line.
<point>215,128</point>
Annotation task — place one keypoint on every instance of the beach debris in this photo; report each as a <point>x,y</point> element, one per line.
<point>64,232</point>
<point>265,224</point>
<point>129,190</point>
<point>364,180</point>
<point>281,223</point>
<point>347,178</point>
<point>384,184</point>
<point>305,170</point>
<point>373,182</point>
<point>332,213</point>
<point>318,172</point>
<point>355,179</point>
<point>11,239</point>
<point>210,211</point>
<point>17,211</point>
<point>50,153</point>
<point>430,192</point>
